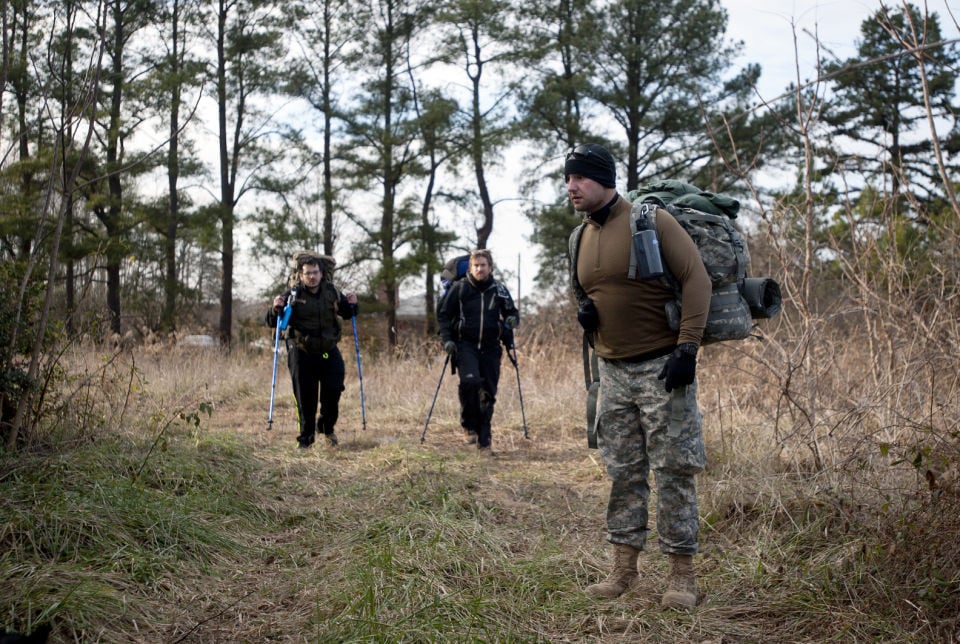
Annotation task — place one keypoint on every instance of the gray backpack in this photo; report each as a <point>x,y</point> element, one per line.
<point>736,300</point>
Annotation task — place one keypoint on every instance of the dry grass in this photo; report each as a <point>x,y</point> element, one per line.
<point>177,517</point>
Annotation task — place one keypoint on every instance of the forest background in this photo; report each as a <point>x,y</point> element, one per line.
<point>145,144</point>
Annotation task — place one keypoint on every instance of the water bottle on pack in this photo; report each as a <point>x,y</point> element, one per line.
<point>646,248</point>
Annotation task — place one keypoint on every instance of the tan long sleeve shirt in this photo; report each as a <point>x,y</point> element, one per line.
<point>631,311</point>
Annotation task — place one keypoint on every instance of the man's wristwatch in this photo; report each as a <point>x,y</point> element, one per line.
<point>690,348</point>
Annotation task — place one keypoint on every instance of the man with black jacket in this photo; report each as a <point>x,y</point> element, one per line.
<point>474,317</point>
<point>316,365</point>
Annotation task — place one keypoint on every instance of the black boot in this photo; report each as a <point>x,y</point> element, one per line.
<point>305,440</point>
<point>328,432</point>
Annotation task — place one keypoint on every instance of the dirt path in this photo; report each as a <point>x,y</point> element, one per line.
<point>302,580</point>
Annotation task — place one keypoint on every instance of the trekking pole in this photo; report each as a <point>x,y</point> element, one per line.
<point>436,393</point>
<point>513,359</point>
<point>512,354</point>
<point>356,343</point>
<point>282,321</point>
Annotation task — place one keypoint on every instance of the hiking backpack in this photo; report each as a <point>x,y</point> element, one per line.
<point>327,262</point>
<point>736,299</point>
<point>454,269</point>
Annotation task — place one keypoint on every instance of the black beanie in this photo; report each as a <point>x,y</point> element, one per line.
<point>594,162</point>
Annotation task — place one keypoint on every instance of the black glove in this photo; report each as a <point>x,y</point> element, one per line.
<point>681,367</point>
<point>451,348</point>
<point>587,317</point>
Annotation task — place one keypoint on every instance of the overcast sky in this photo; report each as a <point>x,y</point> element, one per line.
<point>768,29</point>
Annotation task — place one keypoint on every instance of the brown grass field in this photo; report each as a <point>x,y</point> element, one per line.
<point>176,517</point>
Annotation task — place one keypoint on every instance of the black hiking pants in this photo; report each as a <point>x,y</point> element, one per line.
<point>479,376</point>
<point>317,380</point>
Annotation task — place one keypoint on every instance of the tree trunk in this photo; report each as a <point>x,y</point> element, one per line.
<point>168,321</point>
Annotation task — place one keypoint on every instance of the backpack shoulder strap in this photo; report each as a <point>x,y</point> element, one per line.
<point>573,248</point>
<point>456,290</point>
<point>573,243</point>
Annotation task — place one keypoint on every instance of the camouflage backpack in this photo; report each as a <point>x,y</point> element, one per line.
<point>736,299</point>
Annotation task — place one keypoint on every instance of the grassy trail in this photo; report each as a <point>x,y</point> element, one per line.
<point>183,520</point>
<point>388,539</point>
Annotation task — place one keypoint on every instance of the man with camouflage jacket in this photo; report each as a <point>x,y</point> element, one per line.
<point>647,416</point>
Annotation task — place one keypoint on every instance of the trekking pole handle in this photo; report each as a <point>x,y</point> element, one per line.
<point>284,319</point>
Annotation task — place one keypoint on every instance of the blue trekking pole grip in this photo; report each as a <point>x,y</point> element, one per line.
<point>282,321</point>
<point>356,344</point>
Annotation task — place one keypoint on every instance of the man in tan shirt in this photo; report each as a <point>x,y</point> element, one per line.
<point>647,416</point>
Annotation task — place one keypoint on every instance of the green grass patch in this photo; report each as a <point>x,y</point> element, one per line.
<point>86,531</point>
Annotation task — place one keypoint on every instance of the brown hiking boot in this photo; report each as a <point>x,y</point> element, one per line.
<point>681,584</point>
<point>624,573</point>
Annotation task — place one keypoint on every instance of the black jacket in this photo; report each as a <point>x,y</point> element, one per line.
<point>313,321</point>
<point>474,312</point>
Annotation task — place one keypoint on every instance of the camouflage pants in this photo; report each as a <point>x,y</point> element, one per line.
<point>642,427</point>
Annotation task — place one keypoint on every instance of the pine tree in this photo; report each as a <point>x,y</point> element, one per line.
<point>383,141</point>
<point>877,117</point>
<point>249,65</point>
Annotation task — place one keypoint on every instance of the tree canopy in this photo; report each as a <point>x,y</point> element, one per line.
<point>375,135</point>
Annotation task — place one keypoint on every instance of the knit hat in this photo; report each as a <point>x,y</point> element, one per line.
<point>594,162</point>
